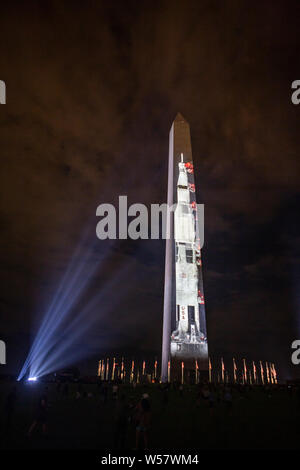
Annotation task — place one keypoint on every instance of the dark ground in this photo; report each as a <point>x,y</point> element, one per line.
<point>259,420</point>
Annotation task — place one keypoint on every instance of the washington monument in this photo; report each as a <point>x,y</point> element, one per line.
<point>184,342</point>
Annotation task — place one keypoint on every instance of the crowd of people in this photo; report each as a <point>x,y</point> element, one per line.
<point>132,412</point>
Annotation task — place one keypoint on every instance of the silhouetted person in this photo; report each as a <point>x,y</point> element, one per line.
<point>58,387</point>
<point>298,397</point>
<point>66,390</point>
<point>165,397</point>
<point>105,392</point>
<point>211,399</point>
<point>228,399</point>
<point>205,392</point>
<point>9,410</point>
<point>41,415</point>
<point>121,422</point>
<point>142,418</point>
<point>115,391</point>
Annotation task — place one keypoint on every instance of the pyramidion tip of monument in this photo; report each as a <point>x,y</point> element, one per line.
<point>179,117</point>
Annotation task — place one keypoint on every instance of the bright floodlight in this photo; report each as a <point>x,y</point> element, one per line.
<point>32,379</point>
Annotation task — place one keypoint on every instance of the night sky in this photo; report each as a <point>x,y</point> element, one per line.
<point>92,90</point>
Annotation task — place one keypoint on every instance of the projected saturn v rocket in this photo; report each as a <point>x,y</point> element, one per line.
<point>184,325</point>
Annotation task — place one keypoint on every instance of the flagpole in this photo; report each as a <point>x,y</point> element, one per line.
<point>245,370</point>
<point>267,371</point>
<point>262,373</point>
<point>107,368</point>
<point>102,370</point>
<point>234,370</point>
<point>275,373</point>
<point>122,368</point>
<point>250,376</point>
<point>254,372</point>
<point>132,371</point>
<point>223,369</point>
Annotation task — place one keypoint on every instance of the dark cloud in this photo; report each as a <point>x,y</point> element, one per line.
<point>92,90</point>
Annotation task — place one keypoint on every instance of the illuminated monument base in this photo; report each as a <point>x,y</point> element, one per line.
<point>186,351</point>
<point>189,362</point>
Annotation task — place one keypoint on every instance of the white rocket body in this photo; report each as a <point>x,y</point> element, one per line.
<point>186,269</point>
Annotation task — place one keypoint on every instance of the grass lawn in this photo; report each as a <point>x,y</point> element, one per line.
<point>257,421</point>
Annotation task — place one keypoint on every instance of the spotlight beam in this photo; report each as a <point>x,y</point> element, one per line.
<point>60,330</point>
<point>73,285</point>
<point>77,328</point>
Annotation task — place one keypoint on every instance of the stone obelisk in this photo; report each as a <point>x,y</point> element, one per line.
<point>184,324</point>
